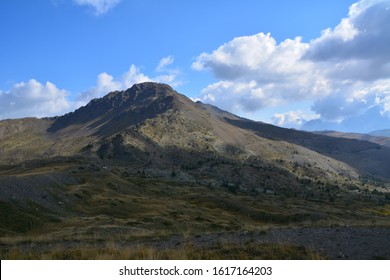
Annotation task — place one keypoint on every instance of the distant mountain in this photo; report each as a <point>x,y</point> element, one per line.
<point>384,132</point>
<point>381,140</point>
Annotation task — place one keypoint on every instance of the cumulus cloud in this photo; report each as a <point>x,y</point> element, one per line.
<point>99,6</point>
<point>104,83</point>
<point>344,73</point>
<point>294,119</point>
<point>238,96</point>
<point>358,48</point>
<point>256,72</point>
<point>364,34</point>
<point>384,102</point>
<point>32,98</point>
<point>134,76</point>
<point>256,57</point>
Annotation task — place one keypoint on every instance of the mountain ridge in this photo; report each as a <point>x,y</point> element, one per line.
<point>377,139</point>
<point>382,132</point>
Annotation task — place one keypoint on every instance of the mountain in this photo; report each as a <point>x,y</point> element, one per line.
<point>367,158</point>
<point>380,140</point>
<point>152,123</point>
<point>148,162</point>
<point>384,132</point>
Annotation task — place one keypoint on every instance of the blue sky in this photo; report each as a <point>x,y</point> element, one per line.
<point>305,64</point>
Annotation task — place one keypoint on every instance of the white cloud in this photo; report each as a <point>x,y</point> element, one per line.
<point>344,73</point>
<point>258,57</point>
<point>384,103</point>
<point>27,99</point>
<point>238,97</point>
<point>358,48</point>
<point>104,83</point>
<point>293,119</point>
<point>256,72</point>
<point>353,100</point>
<point>164,62</point>
<point>134,76</point>
<point>99,6</point>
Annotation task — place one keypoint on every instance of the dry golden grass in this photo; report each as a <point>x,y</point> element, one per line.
<point>221,250</point>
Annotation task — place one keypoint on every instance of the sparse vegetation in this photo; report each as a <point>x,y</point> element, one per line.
<point>221,250</point>
<point>122,205</point>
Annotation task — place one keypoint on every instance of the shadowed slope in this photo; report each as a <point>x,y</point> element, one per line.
<point>380,140</point>
<point>369,159</point>
<point>119,109</point>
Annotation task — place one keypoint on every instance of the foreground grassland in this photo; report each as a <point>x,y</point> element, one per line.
<point>83,210</point>
<point>230,251</point>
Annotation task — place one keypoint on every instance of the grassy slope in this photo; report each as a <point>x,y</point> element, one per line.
<point>93,205</point>
<point>24,139</point>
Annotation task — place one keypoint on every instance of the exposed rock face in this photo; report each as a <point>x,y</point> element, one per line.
<point>120,108</point>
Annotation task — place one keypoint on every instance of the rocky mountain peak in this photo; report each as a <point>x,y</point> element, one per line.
<point>142,91</point>
<point>132,106</point>
<point>138,95</point>
<point>149,87</point>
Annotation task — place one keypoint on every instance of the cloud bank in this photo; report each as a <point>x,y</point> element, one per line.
<point>34,99</point>
<point>345,72</point>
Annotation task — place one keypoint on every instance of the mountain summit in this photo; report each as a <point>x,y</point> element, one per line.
<point>121,108</point>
